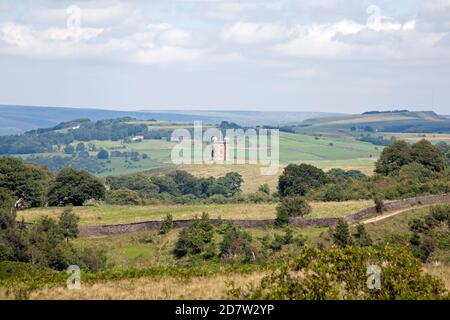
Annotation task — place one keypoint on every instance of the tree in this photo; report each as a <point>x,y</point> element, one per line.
<point>195,239</point>
<point>80,147</point>
<point>69,149</point>
<point>75,187</point>
<point>7,211</point>
<point>167,224</point>
<point>103,154</point>
<point>264,188</point>
<point>123,197</point>
<point>362,236</point>
<point>429,156</point>
<point>186,182</point>
<point>379,203</point>
<point>68,222</point>
<point>229,185</point>
<point>393,158</point>
<point>293,206</point>
<point>236,245</point>
<point>299,179</point>
<point>341,234</point>
<point>22,182</point>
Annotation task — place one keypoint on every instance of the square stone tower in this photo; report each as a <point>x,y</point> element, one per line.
<point>220,149</point>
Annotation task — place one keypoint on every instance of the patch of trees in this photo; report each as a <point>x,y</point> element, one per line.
<point>400,153</point>
<point>44,140</point>
<point>57,163</point>
<point>179,186</point>
<point>47,243</point>
<point>199,240</point>
<point>74,187</point>
<point>422,240</point>
<point>385,112</point>
<point>378,141</point>
<point>26,182</point>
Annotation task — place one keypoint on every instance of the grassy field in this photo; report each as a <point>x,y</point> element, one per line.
<point>296,148</point>
<point>102,215</point>
<point>142,250</point>
<point>326,152</point>
<point>147,288</point>
<point>414,137</point>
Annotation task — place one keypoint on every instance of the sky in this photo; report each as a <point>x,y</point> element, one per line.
<point>284,55</point>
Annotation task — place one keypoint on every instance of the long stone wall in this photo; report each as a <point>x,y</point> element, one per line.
<point>357,216</point>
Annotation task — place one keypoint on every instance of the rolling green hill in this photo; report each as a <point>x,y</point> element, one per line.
<point>401,121</point>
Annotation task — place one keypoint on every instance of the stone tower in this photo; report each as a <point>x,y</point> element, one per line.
<point>220,149</point>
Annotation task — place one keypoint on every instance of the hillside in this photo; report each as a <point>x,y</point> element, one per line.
<point>18,119</point>
<point>401,121</point>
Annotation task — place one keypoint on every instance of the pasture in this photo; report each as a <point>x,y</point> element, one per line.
<point>105,214</point>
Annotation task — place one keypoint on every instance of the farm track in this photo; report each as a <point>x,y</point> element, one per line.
<point>391,214</point>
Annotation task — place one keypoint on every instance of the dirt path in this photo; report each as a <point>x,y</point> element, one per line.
<point>391,214</point>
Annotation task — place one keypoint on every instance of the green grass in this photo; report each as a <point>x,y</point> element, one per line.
<point>296,148</point>
<point>106,214</point>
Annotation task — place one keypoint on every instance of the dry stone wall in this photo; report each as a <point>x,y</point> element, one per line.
<point>357,216</point>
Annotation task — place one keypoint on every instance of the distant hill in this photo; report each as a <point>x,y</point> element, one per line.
<point>398,121</point>
<point>18,119</point>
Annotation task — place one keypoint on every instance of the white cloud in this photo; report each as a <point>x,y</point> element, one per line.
<point>251,33</point>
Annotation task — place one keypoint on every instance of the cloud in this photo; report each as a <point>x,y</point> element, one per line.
<point>252,33</point>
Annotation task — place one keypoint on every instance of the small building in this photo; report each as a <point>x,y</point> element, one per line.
<point>220,149</point>
<point>137,139</point>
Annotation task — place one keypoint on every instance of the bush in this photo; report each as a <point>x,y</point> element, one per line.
<point>362,237</point>
<point>93,260</point>
<point>123,197</point>
<point>264,188</point>
<point>341,273</point>
<point>166,224</point>
<point>5,253</point>
<point>195,238</point>
<point>291,207</point>
<point>103,154</point>
<point>68,223</point>
<point>379,203</point>
<point>237,245</point>
<point>341,234</point>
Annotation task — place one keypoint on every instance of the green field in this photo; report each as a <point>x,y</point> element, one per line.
<point>101,215</point>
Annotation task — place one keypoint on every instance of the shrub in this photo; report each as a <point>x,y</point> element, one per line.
<point>379,203</point>
<point>103,154</point>
<point>166,224</point>
<point>93,260</point>
<point>68,223</point>
<point>264,188</point>
<point>5,253</point>
<point>341,234</point>
<point>291,207</point>
<point>195,238</point>
<point>341,273</point>
<point>237,245</point>
<point>123,197</point>
<point>362,237</point>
